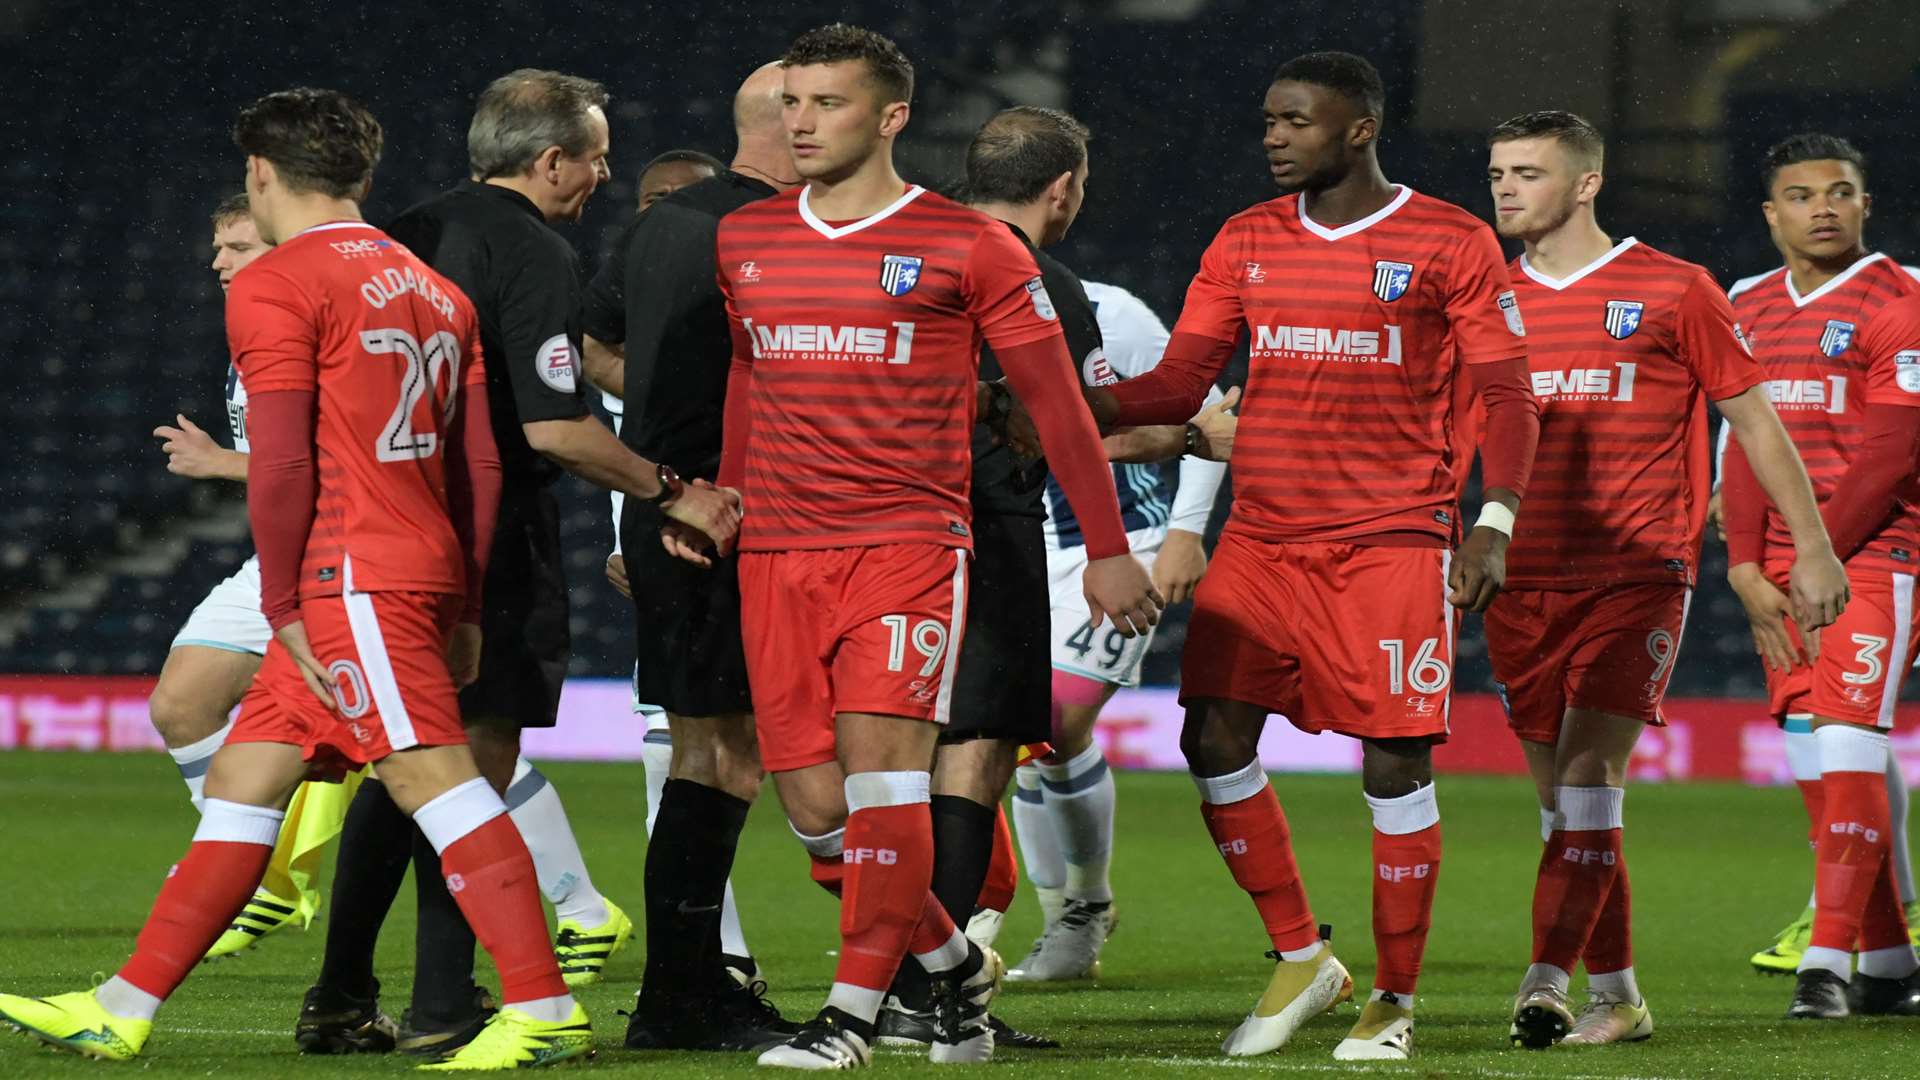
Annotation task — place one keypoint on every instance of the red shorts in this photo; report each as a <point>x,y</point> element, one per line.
<point>848,630</point>
<point>1334,636</point>
<point>1863,656</point>
<point>1610,649</point>
<point>387,652</point>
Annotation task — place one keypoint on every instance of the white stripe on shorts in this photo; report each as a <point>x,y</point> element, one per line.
<point>956,627</point>
<point>371,644</point>
<point>1896,664</point>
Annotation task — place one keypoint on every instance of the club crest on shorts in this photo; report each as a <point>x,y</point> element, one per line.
<point>1390,279</point>
<point>899,273</point>
<point>1623,318</point>
<point>1836,338</point>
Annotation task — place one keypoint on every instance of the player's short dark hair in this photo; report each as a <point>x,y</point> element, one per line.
<point>520,114</point>
<point>1809,146</point>
<point>688,157</point>
<point>233,206</point>
<point>318,140</point>
<point>1581,140</point>
<point>1016,154</point>
<point>887,66</point>
<point>1343,73</point>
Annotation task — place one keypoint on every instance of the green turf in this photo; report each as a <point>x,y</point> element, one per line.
<point>1716,869</point>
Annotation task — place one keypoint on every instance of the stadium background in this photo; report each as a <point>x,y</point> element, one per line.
<point>110,323</point>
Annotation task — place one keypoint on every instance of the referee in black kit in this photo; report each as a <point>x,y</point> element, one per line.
<point>657,300</point>
<point>538,144</point>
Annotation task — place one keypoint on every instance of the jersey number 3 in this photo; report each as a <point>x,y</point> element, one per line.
<point>425,363</point>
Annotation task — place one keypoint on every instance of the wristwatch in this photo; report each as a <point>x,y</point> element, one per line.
<point>1193,438</point>
<point>670,487</point>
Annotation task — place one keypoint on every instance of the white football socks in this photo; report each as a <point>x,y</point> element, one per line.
<point>1079,799</point>
<point>193,760</point>
<point>1039,845</point>
<point>557,862</point>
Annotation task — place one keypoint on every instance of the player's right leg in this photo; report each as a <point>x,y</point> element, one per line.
<point>891,618</point>
<point>1852,696</point>
<point>1240,665</point>
<point>214,657</point>
<point>249,782</point>
<point>1583,673</point>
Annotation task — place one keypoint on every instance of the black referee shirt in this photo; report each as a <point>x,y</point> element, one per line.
<point>660,296</point>
<point>1002,483</point>
<point>524,280</point>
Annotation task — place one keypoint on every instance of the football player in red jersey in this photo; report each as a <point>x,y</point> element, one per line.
<point>1857,895</point>
<point>859,303</point>
<point>1833,693</point>
<point>1626,345</point>
<point>373,485</point>
<point>1331,593</point>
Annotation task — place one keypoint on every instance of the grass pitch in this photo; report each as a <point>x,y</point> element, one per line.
<point>1716,870</point>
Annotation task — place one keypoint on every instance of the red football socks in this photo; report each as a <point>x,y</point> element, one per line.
<point>1252,836</point>
<point>1610,945</point>
<point>1406,860</point>
<point>491,877</point>
<point>889,871</point>
<point>1813,796</point>
<point>1849,855</point>
<point>200,898</point>
<point>1003,873</point>
<point>1578,867</point>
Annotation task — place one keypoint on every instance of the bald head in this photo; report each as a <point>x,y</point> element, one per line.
<point>756,108</point>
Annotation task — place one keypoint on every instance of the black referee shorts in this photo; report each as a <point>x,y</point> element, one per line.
<point>688,658</point>
<point>525,642</point>
<point>1004,686</point>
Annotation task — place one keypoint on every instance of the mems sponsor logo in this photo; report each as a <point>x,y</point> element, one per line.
<point>852,344</point>
<point>1327,344</point>
<point>1828,395</point>
<point>1586,384</point>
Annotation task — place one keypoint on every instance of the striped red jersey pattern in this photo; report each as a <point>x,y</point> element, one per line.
<point>1347,428</point>
<point>1891,343</point>
<point>386,344</point>
<point>1816,376</point>
<point>1624,355</point>
<point>864,341</point>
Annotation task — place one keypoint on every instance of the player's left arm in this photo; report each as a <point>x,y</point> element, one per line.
<point>273,335</point>
<point>1889,453</point>
<point>1490,343</point>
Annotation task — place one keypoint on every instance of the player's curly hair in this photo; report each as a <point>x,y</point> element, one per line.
<point>1581,140</point>
<point>1016,154</point>
<point>1342,72</point>
<point>1809,146</point>
<point>318,140</point>
<point>887,66</point>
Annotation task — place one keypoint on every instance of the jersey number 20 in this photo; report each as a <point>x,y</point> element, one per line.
<point>425,363</point>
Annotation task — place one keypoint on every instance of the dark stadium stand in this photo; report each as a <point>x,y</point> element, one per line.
<point>110,322</point>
